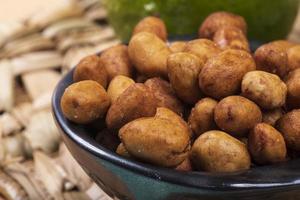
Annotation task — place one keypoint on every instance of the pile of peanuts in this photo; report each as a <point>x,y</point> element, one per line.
<point>207,104</point>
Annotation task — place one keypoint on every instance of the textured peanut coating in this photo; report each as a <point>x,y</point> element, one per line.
<point>163,140</point>
<point>289,126</point>
<point>222,75</point>
<point>266,145</point>
<point>164,94</point>
<point>122,151</point>
<point>148,54</point>
<point>183,72</point>
<point>216,151</point>
<point>293,58</point>
<point>218,20</point>
<point>231,37</point>
<point>152,25</point>
<point>265,89</point>
<point>272,116</point>
<point>84,102</point>
<point>117,62</point>
<point>237,115</point>
<point>135,102</point>
<point>177,46</point>
<point>201,118</point>
<point>117,86</point>
<point>91,68</point>
<point>293,89</point>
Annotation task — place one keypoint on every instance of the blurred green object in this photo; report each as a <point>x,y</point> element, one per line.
<point>267,19</point>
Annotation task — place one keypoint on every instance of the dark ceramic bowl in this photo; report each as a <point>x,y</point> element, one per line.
<point>126,179</point>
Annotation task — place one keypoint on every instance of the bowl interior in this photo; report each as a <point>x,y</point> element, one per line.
<point>279,175</point>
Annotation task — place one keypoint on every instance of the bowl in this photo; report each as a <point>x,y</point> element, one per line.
<point>121,178</point>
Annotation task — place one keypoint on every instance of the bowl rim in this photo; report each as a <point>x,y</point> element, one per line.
<point>277,176</point>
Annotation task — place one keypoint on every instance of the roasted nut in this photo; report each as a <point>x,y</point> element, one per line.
<point>265,89</point>
<point>216,151</point>
<point>218,20</point>
<point>84,102</point>
<point>201,118</point>
<point>164,94</point>
<point>185,166</point>
<point>289,126</point>
<point>135,102</point>
<point>272,57</point>
<point>178,46</point>
<point>272,116</point>
<point>117,86</point>
<point>122,151</point>
<point>202,48</point>
<point>293,89</point>
<point>116,61</point>
<point>293,58</point>
<point>231,37</point>
<point>222,75</point>
<point>237,115</point>
<point>163,140</point>
<point>91,68</point>
<point>183,72</point>
<point>266,145</point>
<point>149,54</point>
<point>152,25</point>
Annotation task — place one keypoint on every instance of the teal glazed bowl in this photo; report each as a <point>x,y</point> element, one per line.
<point>125,179</point>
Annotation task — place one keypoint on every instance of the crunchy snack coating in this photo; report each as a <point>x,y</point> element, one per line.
<point>231,37</point>
<point>272,116</point>
<point>222,75</point>
<point>289,126</point>
<point>237,115</point>
<point>135,102</point>
<point>293,89</point>
<point>202,48</point>
<point>177,46</point>
<point>272,57</point>
<point>117,86</point>
<point>122,151</point>
<point>91,68</point>
<point>116,61</point>
<point>183,72</point>
<point>149,54</point>
<point>293,58</point>
<point>266,145</point>
<point>217,20</point>
<point>152,25</point>
<point>185,166</point>
<point>216,151</point>
<point>265,89</point>
<point>164,94</point>
<point>201,118</point>
<point>84,102</point>
<point>163,140</point>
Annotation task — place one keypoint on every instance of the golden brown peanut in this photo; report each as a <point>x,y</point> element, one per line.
<point>178,46</point>
<point>272,57</point>
<point>122,151</point>
<point>201,118</point>
<point>266,145</point>
<point>183,72</point>
<point>216,151</point>
<point>265,89</point>
<point>293,58</point>
<point>116,61</point>
<point>185,166</point>
<point>157,140</point>
<point>84,102</point>
<point>237,115</point>
<point>231,37</point>
<point>135,102</point>
<point>272,116</point>
<point>202,48</point>
<point>148,54</point>
<point>217,20</point>
<point>91,68</point>
<point>293,89</point>
<point>289,126</point>
<point>152,25</point>
<point>117,86</point>
<point>222,75</point>
<point>164,94</point>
